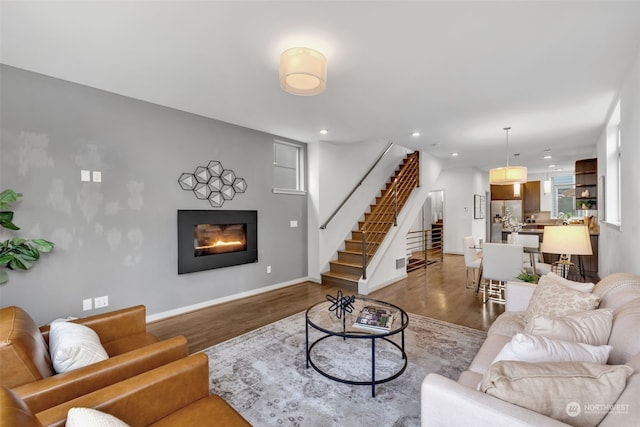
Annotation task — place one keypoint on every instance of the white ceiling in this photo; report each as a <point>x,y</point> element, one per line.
<point>456,71</point>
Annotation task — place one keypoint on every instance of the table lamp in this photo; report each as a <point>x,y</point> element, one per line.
<point>567,240</point>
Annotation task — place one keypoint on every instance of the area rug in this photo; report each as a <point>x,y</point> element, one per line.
<point>263,373</point>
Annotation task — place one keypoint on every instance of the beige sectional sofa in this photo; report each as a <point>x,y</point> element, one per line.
<point>448,403</point>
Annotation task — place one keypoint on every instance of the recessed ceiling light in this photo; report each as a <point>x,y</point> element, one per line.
<point>455,154</point>
<point>324,131</point>
<point>552,166</point>
<point>548,156</point>
<point>415,133</point>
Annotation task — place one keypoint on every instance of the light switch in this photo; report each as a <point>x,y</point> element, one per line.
<point>85,176</point>
<point>293,224</point>
<point>97,176</point>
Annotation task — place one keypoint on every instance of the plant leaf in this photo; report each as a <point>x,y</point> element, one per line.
<point>6,218</point>
<point>43,245</point>
<point>4,277</point>
<point>20,263</point>
<point>4,259</point>
<point>7,197</point>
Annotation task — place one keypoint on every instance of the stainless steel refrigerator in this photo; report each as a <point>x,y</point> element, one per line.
<point>498,210</point>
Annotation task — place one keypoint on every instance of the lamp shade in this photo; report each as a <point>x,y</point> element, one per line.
<point>566,239</point>
<point>508,175</point>
<point>303,71</point>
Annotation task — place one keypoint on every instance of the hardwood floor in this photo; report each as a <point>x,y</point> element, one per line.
<point>438,292</point>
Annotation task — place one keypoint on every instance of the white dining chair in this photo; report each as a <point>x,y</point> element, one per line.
<point>500,263</point>
<point>532,260</point>
<point>472,260</point>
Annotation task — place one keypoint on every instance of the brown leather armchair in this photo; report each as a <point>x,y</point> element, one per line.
<point>25,365</point>
<point>176,394</point>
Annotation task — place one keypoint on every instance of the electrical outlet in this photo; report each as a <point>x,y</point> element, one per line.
<point>87,304</point>
<point>268,269</point>
<point>97,176</point>
<point>293,224</point>
<point>101,301</point>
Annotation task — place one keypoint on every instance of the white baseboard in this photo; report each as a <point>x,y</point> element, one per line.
<point>182,310</point>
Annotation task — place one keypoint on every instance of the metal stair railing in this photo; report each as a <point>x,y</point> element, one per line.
<point>377,223</point>
<point>335,212</point>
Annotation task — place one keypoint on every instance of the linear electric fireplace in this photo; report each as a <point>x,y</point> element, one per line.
<point>214,239</point>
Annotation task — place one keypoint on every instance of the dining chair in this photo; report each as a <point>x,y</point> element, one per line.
<point>472,260</point>
<point>532,260</point>
<point>500,263</point>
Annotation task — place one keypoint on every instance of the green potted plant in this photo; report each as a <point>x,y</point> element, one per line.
<point>17,253</point>
<point>526,277</point>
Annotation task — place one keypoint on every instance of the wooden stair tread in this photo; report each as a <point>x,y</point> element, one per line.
<point>343,276</point>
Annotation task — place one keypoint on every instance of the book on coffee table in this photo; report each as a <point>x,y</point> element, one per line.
<point>374,317</point>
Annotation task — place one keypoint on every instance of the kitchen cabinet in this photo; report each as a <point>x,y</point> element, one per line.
<point>587,184</point>
<point>531,197</point>
<point>504,192</point>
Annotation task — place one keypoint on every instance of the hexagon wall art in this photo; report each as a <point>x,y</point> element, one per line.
<point>213,183</point>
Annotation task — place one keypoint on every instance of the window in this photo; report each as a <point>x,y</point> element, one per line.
<point>612,181</point>
<point>288,168</point>
<point>564,195</point>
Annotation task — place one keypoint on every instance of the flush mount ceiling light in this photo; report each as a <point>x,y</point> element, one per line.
<point>303,71</point>
<point>508,174</point>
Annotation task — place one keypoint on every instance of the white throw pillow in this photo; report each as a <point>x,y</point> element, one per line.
<point>531,348</point>
<point>589,327</point>
<point>73,346</point>
<point>551,299</point>
<point>88,417</point>
<point>577,286</point>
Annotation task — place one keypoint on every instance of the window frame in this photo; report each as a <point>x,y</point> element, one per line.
<point>613,156</point>
<point>299,168</point>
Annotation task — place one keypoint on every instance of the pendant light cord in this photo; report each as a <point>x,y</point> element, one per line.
<point>507,131</point>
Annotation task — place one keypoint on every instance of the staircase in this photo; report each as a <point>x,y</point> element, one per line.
<point>346,271</point>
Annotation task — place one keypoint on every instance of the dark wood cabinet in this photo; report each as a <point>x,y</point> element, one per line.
<point>504,192</point>
<point>587,184</point>
<point>531,197</point>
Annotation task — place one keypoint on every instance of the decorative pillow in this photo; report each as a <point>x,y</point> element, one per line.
<point>566,391</point>
<point>86,417</point>
<point>531,348</point>
<point>73,346</point>
<point>590,327</point>
<point>577,286</point>
<point>551,299</point>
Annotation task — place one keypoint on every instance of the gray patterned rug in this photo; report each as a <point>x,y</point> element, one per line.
<point>263,374</point>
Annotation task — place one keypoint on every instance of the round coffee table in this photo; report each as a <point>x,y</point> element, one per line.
<point>320,318</point>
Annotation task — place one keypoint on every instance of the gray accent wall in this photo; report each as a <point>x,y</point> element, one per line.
<point>118,237</point>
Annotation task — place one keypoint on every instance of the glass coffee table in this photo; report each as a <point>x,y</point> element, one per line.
<point>320,318</point>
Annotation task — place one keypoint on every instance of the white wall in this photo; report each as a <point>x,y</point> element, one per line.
<point>460,185</point>
<point>618,247</point>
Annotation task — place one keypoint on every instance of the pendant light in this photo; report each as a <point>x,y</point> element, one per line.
<point>508,174</point>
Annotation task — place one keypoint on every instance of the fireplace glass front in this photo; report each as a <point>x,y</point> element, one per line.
<point>210,239</point>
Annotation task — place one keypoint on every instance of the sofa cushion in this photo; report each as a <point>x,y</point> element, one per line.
<point>74,346</point>
<point>23,351</point>
<point>531,348</point>
<point>626,411</point>
<point>574,393</point>
<point>624,337</point>
<point>590,327</point>
<point>86,417</point>
<point>490,348</point>
<point>551,299</point>
<point>508,324</point>
<point>576,286</point>
<point>617,289</point>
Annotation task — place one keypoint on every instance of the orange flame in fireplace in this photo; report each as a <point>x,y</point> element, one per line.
<point>219,243</point>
